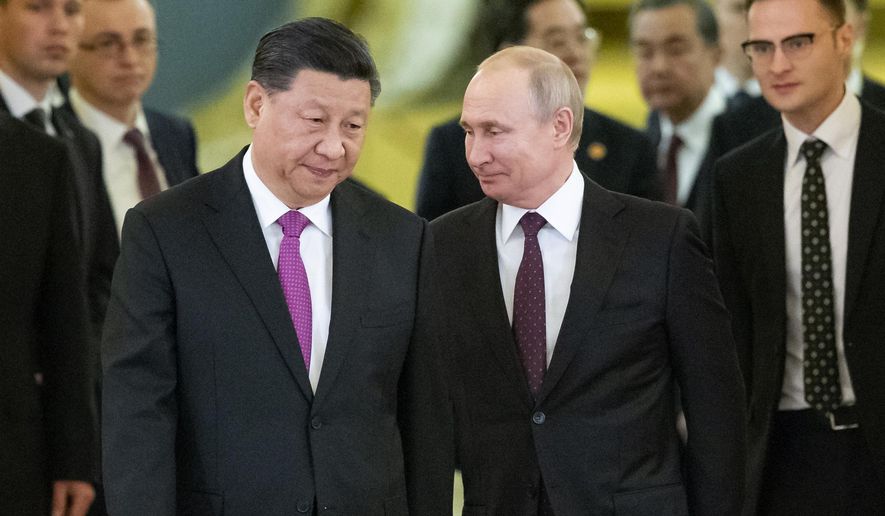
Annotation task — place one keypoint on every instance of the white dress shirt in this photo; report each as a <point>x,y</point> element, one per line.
<point>558,240</point>
<point>695,132</point>
<point>316,253</point>
<point>20,102</point>
<point>120,166</point>
<point>840,132</point>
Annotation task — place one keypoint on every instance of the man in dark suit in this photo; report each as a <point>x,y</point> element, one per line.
<point>675,44</point>
<point>614,155</point>
<point>48,418</point>
<point>267,348</point>
<point>800,212</point>
<point>35,49</point>
<point>612,300</point>
<point>144,151</point>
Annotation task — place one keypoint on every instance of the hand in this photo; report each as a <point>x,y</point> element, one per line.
<point>71,497</point>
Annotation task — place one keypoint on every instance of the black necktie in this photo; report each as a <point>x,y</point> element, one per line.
<point>821,369</point>
<point>37,118</point>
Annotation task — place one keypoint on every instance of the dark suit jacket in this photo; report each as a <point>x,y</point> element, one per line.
<point>207,406</point>
<point>47,418</point>
<point>614,155</point>
<point>644,312</point>
<point>749,243</point>
<point>175,144</point>
<point>96,235</point>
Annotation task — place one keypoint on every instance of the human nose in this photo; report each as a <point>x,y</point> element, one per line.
<point>331,145</point>
<point>779,61</point>
<point>477,152</point>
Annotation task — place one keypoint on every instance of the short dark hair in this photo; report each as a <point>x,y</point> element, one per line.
<point>836,9</point>
<point>317,44</point>
<point>508,22</point>
<point>705,20</point>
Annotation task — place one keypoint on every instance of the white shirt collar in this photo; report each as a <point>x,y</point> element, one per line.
<point>839,130</point>
<point>270,208</point>
<point>19,100</point>
<point>562,210</point>
<point>109,130</point>
<point>695,129</point>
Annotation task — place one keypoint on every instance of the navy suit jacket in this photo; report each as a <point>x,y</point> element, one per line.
<point>175,144</point>
<point>644,313</point>
<point>751,266</point>
<point>614,155</point>
<point>207,406</point>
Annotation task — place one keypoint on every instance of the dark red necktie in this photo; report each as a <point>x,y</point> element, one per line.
<point>529,317</point>
<point>671,170</point>
<point>148,184</point>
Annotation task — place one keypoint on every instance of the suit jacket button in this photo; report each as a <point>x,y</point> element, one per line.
<point>315,423</point>
<point>538,418</point>
<point>303,507</point>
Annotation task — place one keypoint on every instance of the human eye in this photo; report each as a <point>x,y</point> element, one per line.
<point>73,8</point>
<point>797,42</point>
<point>761,48</point>
<point>107,44</point>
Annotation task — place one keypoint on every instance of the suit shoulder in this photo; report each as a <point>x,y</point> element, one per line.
<point>167,121</point>
<point>749,152</point>
<point>373,203</point>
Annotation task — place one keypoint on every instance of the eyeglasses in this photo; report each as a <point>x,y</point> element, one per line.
<point>794,48</point>
<point>113,45</point>
<point>558,41</point>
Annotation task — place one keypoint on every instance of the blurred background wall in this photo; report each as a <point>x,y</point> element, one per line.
<point>426,50</point>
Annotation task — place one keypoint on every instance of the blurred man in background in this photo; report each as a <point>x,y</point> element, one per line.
<point>143,151</point>
<point>676,47</point>
<point>614,155</point>
<point>47,412</point>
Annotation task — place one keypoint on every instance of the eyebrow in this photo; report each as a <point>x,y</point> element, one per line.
<point>799,35</point>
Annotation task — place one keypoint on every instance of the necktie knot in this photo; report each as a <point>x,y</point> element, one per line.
<point>531,223</point>
<point>812,150</point>
<point>37,118</point>
<point>134,138</point>
<point>293,223</point>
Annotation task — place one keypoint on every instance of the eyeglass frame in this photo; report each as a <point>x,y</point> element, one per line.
<point>113,45</point>
<point>790,55</point>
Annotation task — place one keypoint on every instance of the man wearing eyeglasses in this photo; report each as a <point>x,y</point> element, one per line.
<point>800,214</point>
<point>143,151</point>
<point>614,155</point>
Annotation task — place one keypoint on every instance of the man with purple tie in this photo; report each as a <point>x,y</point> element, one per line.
<point>268,346</point>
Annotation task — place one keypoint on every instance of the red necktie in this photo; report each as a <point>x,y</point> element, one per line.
<point>529,316</point>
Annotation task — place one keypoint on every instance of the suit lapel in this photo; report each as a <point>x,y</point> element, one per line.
<point>352,250</point>
<point>233,226</point>
<point>867,197</point>
<point>765,199</point>
<point>601,242</point>
<point>481,278</point>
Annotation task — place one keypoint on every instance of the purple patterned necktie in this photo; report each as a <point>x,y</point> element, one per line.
<point>148,184</point>
<point>529,317</point>
<point>293,278</point>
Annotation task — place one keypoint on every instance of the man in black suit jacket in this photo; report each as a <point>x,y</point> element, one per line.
<point>48,419</point>
<point>676,48</point>
<point>572,411</point>
<point>800,212</point>
<point>217,397</point>
<point>108,81</point>
<point>614,155</point>
<point>31,60</point>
